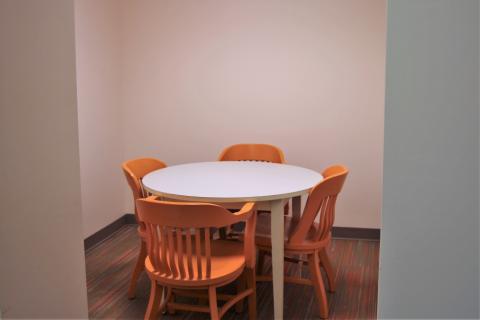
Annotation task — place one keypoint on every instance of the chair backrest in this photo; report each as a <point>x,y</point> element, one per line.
<point>134,171</point>
<point>179,235</point>
<point>252,152</point>
<point>321,200</point>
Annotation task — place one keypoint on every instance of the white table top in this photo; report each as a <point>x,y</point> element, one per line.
<point>231,181</point>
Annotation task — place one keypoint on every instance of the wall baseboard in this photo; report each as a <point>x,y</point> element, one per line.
<point>129,218</point>
<point>356,233</point>
<point>107,231</point>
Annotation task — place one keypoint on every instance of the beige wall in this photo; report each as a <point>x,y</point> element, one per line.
<point>42,267</point>
<point>99,112</point>
<point>181,80</point>
<point>307,76</point>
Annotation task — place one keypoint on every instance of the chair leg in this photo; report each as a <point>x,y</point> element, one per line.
<point>286,209</point>
<point>241,284</point>
<point>327,266</point>
<point>164,303</point>
<point>212,298</point>
<point>252,299</point>
<point>170,298</point>
<point>260,261</point>
<point>139,267</point>
<point>154,301</point>
<point>223,233</point>
<point>314,267</point>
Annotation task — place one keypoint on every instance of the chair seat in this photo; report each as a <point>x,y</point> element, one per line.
<point>263,234</point>
<point>227,263</point>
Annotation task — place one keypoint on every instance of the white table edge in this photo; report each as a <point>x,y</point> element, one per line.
<point>226,200</point>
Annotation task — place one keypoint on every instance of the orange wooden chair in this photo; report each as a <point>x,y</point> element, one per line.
<point>252,152</point>
<point>183,257</point>
<point>304,236</point>
<point>134,171</point>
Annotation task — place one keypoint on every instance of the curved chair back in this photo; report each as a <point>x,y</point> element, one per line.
<point>134,171</point>
<point>252,152</point>
<point>178,235</point>
<point>321,201</point>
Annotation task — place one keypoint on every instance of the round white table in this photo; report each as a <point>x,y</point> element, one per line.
<point>270,185</point>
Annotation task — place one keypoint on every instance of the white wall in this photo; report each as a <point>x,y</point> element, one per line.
<point>42,267</point>
<point>99,113</point>
<point>430,238</point>
<point>307,76</point>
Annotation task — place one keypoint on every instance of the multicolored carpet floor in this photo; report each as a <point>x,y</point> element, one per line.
<point>110,263</point>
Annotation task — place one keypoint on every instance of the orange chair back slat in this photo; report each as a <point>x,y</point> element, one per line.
<point>179,235</point>
<point>181,264</point>
<point>171,250</point>
<point>321,201</point>
<point>134,171</point>
<point>252,152</point>
<point>327,217</point>
<point>165,249</point>
<point>208,253</point>
<point>189,253</point>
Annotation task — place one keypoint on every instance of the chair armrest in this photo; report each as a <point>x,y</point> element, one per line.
<point>153,198</point>
<point>245,211</point>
